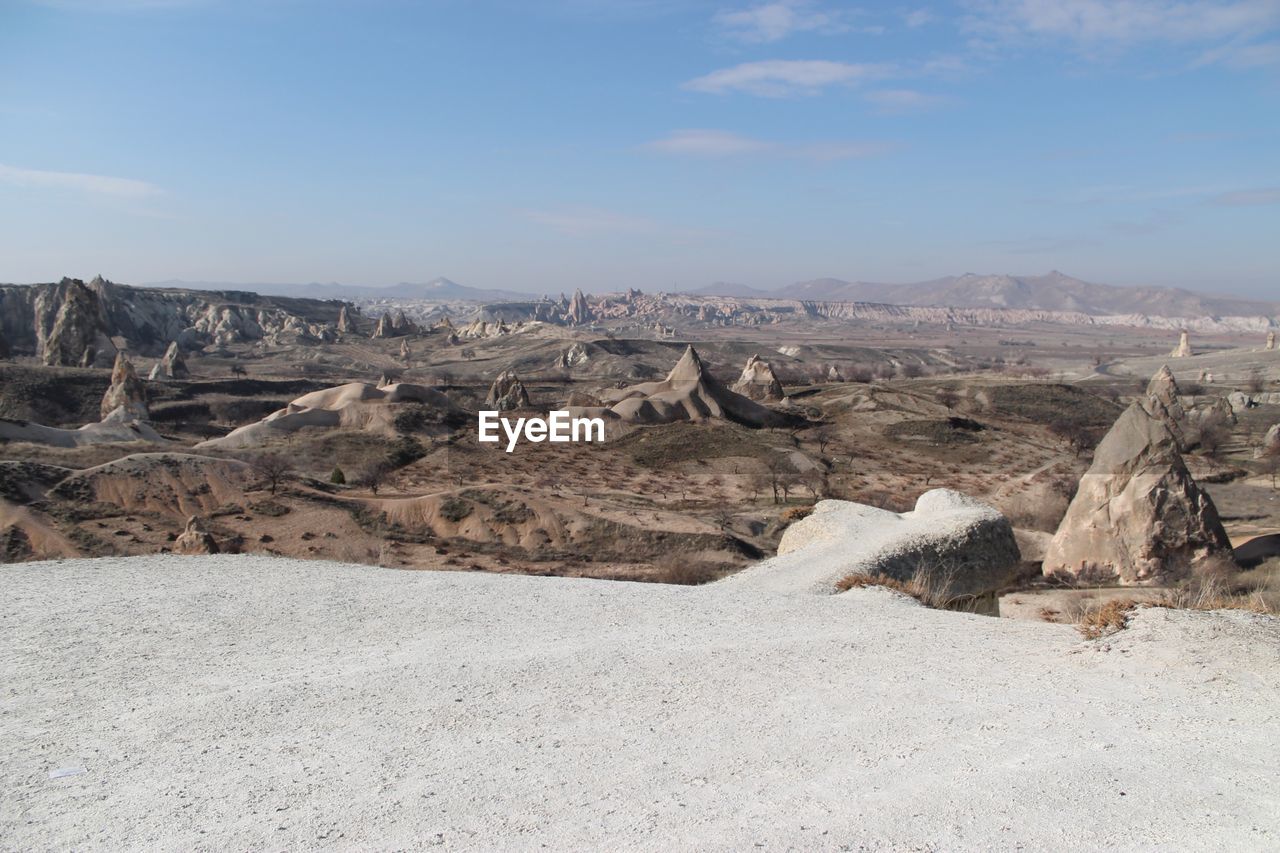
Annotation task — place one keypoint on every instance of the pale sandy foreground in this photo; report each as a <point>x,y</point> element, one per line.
<point>248,702</point>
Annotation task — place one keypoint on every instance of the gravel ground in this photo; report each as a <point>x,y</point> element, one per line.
<point>243,702</point>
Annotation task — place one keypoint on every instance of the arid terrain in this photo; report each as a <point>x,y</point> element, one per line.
<point>267,421</point>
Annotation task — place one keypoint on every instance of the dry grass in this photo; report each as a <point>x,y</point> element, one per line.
<point>1217,586</point>
<point>930,585</point>
<point>1095,623</point>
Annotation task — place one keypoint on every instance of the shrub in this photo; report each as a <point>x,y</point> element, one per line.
<point>675,569</point>
<point>337,477</point>
<point>454,509</point>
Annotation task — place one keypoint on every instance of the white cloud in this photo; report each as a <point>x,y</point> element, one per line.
<point>778,78</point>
<point>717,144</point>
<point>1095,22</point>
<point>904,100</point>
<point>770,22</point>
<point>98,184</point>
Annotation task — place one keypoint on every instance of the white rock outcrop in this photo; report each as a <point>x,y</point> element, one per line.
<point>949,536</point>
<point>758,381</point>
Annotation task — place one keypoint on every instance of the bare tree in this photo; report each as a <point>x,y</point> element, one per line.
<point>273,468</point>
<point>373,476</point>
<point>238,370</point>
<point>948,397</point>
<point>723,514</point>
<point>1212,434</point>
<point>822,437</point>
<point>1271,464</point>
<point>1077,435</point>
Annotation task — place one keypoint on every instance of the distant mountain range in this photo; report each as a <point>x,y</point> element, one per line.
<point>440,288</point>
<point>1054,291</point>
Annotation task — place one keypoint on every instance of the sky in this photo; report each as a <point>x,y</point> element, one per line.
<point>659,144</point>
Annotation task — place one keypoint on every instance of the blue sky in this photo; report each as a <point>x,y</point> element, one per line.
<point>603,144</point>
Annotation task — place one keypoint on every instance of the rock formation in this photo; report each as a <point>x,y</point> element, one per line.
<point>578,313</point>
<point>344,323</point>
<point>126,391</point>
<point>1183,350</point>
<point>507,393</point>
<point>70,326</point>
<point>354,406</point>
<point>758,382</point>
<point>74,323</point>
<point>689,393</point>
<point>1270,442</point>
<point>394,326</point>
<point>952,539</point>
<point>119,427</point>
<point>195,540</point>
<point>1138,516</point>
<point>171,365</point>
<point>1271,340</point>
<point>573,356</point>
<point>405,353</point>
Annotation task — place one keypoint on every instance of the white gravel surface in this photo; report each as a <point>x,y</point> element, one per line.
<point>242,702</point>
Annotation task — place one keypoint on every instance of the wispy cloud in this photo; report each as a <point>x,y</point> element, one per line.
<point>1038,245</point>
<point>905,100</point>
<point>1094,26</point>
<point>1153,223</point>
<point>769,22</point>
<point>777,78</point>
<point>119,5</point>
<point>1125,20</point>
<point>707,143</point>
<point>588,222</point>
<point>919,18</point>
<point>720,144</point>
<point>1247,198</point>
<point>78,182</point>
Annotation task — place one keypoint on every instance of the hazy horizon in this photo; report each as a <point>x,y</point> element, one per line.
<point>607,144</point>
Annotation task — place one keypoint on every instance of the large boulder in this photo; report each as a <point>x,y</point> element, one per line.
<point>758,381</point>
<point>949,538</point>
<point>1138,516</point>
<point>127,391</point>
<point>507,393</point>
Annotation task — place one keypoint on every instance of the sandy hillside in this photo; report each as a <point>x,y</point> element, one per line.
<point>249,702</point>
